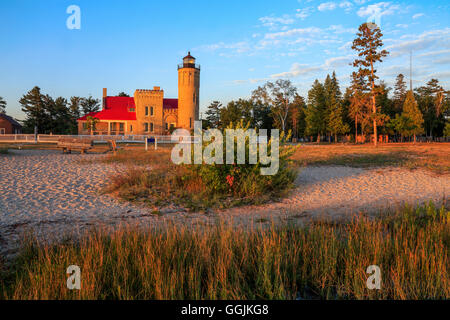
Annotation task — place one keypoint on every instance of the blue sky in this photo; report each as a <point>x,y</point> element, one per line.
<point>128,45</point>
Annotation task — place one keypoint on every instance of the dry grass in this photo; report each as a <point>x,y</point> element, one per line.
<point>321,260</point>
<point>432,156</point>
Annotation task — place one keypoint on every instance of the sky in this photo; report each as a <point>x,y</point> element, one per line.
<point>128,45</point>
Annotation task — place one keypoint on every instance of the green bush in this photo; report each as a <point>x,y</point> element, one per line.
<point>204,186</point>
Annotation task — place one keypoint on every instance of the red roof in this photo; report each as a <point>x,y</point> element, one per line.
<point>116,108</point>
<point>170,103</point>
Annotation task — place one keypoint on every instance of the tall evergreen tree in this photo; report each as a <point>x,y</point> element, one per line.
<point>412,112</point>
<point>368,45</point>
<point>316,123</point>
<point>2,105</point>
<point>33,106</point>
<point>90,104</point>
<point>335,121</point>
<point>399,93</point>
<point>213,114</point>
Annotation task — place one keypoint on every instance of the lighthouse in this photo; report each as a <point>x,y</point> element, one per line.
<point>188,92</point>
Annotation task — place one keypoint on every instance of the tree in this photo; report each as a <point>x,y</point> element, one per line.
<point>122,94</point>
<point>411,111</point>
<point>91,122</point>
<point>279,96</point>
<point>235,111</point>
<point>447,129</point>
<point>358,95</point>
<point>89,105</point>
<point>74,112</point>
<point>399,93</point>
<point>33,106</point>
<point>432,100</point>
<point>335,121</point>
<point>368,44</point>
<point>316,123</point>
<point>297,116</point>
<point>2,105</point>
<point>213,114</point>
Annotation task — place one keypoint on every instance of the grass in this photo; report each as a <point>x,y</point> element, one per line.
<point>319,260</point>
<point>430,156</point>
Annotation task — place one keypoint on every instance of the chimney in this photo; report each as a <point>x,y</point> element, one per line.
<point>156,88</point>
<point>105,94</point>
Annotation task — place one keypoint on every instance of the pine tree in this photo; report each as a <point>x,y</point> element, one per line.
<point>2,105</point>
<point>359,102</point>
<point>399,93</point>
<point>368,44</point>
<point>411,111</point>
<point>89,105</point>
<point>316,123</point>
<point>33,106</point>
<point>335,119</point>
<point>213,114</point>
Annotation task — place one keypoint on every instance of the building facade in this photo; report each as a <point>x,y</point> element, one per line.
<point>148,112</point>
<point>8,125</point>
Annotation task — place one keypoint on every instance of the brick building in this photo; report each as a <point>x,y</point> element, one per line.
<point>148,112</point>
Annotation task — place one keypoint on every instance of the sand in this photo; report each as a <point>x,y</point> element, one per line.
<point>51,194</point>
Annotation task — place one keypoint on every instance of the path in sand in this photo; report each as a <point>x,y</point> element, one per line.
<point>51,193</point>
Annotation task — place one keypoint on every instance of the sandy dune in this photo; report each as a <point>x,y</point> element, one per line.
<point>51,193</point>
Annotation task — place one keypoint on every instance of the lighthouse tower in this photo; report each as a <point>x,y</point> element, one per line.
<point>188,92</point>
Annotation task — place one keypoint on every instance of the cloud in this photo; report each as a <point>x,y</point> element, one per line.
<point>378,10</point>
<point>438,39</point>
<point>274,21</point>
<point>297,70</point>
<point>304,13</point>
<point>418,15</point>
<point>293,32</point>
<point>326,6</point>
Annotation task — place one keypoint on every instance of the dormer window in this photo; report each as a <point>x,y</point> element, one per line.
<point>132,109</point>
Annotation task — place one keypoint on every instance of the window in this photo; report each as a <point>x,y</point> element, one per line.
<point>151,126</point>
<point>85,126</point>
<point>132,110</point>
<point>146,111</point>
<point>121,127</point>
<point>151,111</point>
<point>167,126</point>
<point>146,127</point>
<point>2,130</point>
<point>131,128</point>
<point>190,122</point>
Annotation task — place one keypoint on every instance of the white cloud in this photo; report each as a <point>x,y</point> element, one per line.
<point>418,15</point>
<point>297,70</point>
<point>293,32</point>
<point>327,6</point>
<point>274,21</point>
<point>435,39</point>
<point>378,10</point>
<point>304,13</point>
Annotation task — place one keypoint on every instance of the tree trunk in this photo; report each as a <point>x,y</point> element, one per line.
<point>374,108</point>
<point>356,129</point>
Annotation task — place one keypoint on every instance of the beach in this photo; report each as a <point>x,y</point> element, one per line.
<point>53,194</point>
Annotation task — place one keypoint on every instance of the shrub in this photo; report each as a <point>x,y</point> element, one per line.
<point>203,186</point>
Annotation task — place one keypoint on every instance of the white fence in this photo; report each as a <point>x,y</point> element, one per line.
<point>47,138</point>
